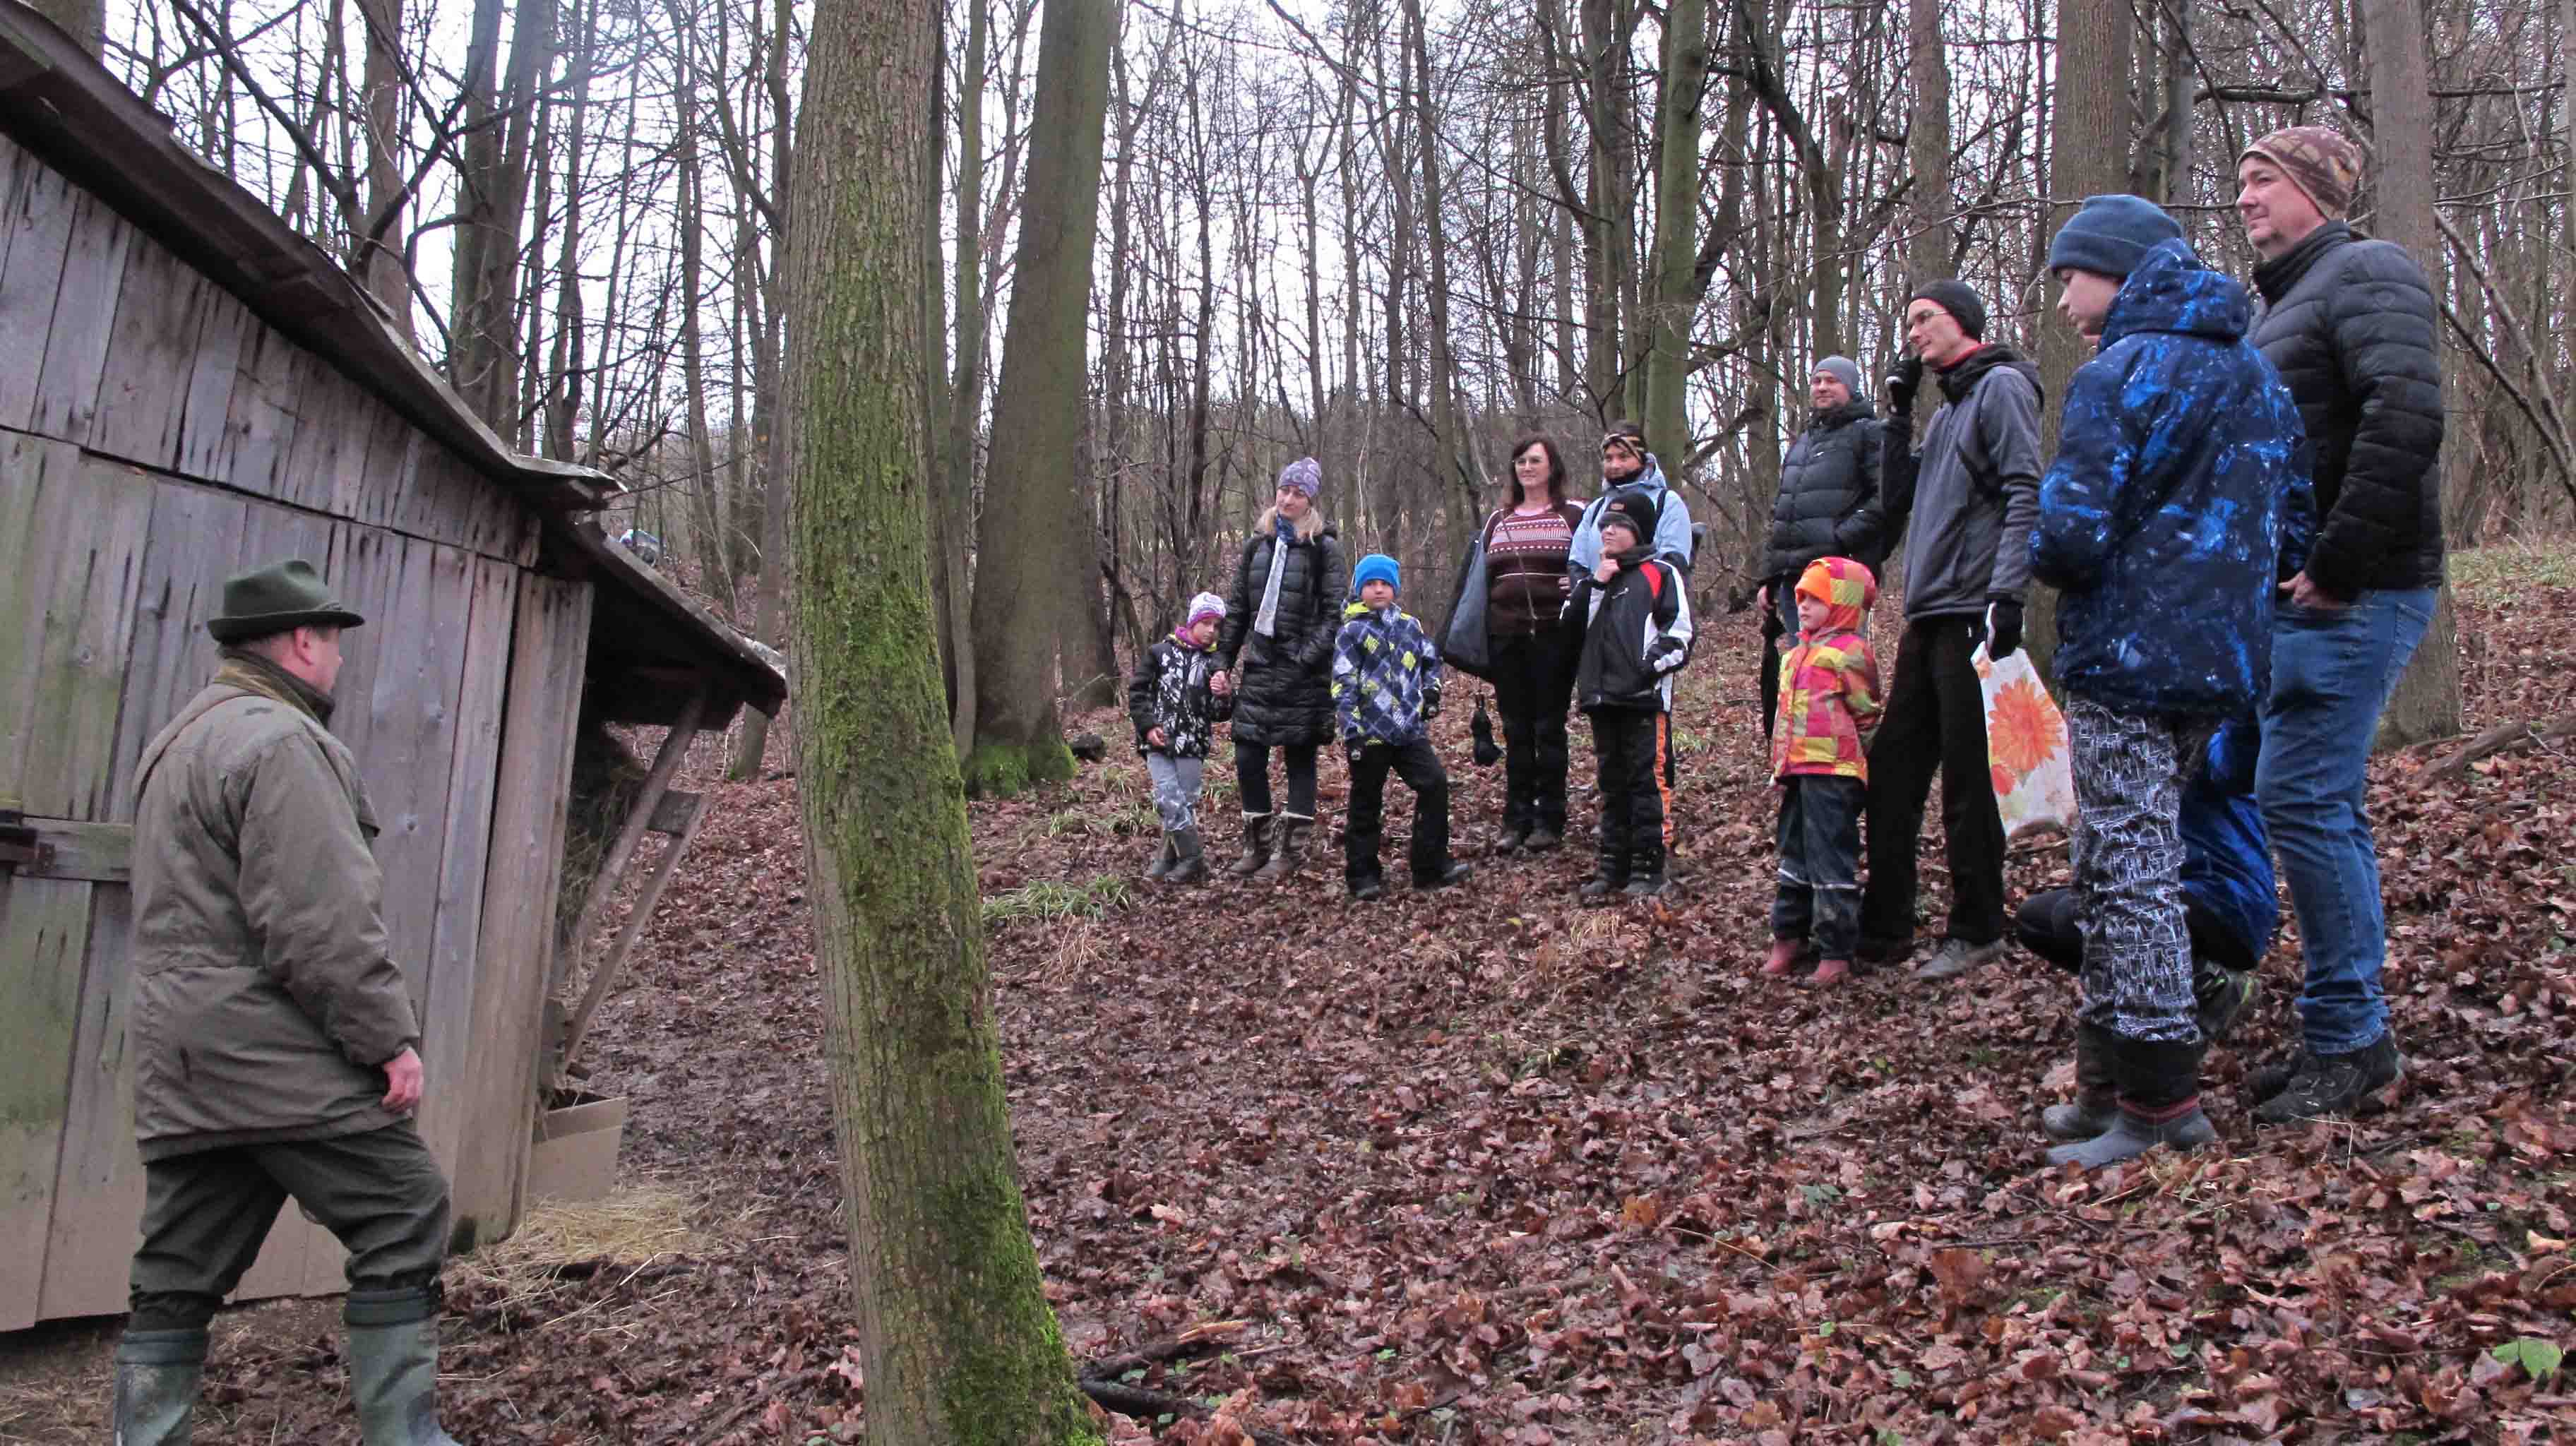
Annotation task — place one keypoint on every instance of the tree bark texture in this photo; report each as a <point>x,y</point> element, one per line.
<point>1927,145</point>
<point>957,1339</point>
<point>1675,298</point>
<point>1033,555</point>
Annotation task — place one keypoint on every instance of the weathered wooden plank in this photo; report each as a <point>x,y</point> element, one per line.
<point>212,370</point>
<point>197,540</point>
<point>393,455</point>
<point>98,1184</point>
<point>84,311</point>
<point>639,820</point>
<point>330,448</point>
<point>674,813</point>
<point>39,223</point>
<point>604,977</point>
<point>34,473</point>
<point>44,935</point>
<point>446,1018</point>
<point>91,853</point>
<point>260,417</point>
<point>151,353</point>
<point>270,534</point>
<point>500,1081</point>
<point>75,592</point>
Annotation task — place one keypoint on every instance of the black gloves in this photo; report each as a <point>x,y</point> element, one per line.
<point>2003,616</point>
<point>1902,382</point>
<point>1430,704</point>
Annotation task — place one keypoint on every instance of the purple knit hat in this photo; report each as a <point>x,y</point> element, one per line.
<point>1305,474</point>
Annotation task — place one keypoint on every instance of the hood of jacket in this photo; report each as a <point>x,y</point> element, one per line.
<point>1649,477</point>
<point>2172,291</point>
<point>1963,375</point>
<point>1845,588</point>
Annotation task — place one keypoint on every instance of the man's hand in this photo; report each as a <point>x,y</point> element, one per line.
<point>1220,683</point>
<point>1902,382</point>
<point>402,1081</point>
<point>1154,737</point>
<point>2306,594</point>
<point>2003,627</point>
<point>1606,569</point>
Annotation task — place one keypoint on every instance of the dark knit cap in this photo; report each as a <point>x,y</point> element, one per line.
<point>1955,298</point>
<point>1633,508</point>
<point>2318,160</point>
<point>2111,235</point>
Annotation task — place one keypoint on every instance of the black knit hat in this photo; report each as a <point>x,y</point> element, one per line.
<point>275,599</point>
<point>1633,507</point>
<point>1955,298</point>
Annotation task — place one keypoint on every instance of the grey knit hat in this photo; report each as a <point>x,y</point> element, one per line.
<point>1841,369</point>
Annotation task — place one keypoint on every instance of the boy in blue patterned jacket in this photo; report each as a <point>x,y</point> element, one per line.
<point>2178,499</point>
<point>1386,690</point>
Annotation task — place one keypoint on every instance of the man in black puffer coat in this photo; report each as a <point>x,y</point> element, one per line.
<point>2349,323</point>
<point>1827,507</point>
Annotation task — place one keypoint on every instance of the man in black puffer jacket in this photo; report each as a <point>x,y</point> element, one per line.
<point>2349,323</point>
<point>1827,506</point>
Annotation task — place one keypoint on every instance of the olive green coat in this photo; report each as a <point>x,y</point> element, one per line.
<point>265,1002</point>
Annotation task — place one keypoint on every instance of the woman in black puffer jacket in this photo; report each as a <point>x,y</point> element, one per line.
<point>1281,617</point>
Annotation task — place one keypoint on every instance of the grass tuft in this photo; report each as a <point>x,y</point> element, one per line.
<point>1050,899</point>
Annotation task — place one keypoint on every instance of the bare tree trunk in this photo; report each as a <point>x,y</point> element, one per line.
<point>1674,299</point>
<point>380,252</point>
<point>1610,225</point>
<point>1927,145</point>
<point>483,358</point>
<point>2427,701</point>
<point>956,496</point>
<point>1034,523</point>
<point>1454,482</point>
<point>769,382</point>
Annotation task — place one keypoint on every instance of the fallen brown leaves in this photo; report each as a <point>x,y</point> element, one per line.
<point>1485,1166</point>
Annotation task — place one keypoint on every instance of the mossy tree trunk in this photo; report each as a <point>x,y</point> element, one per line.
<point>957,1338</point>
<point>1677,288</point>
<point>1034,553</point>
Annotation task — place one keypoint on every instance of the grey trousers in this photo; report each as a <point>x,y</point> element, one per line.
<point>2128,870</point>
<point>1176,789</point>
<point>205,1215</point>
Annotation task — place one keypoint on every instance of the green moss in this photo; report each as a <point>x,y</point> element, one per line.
<point>998,770</point>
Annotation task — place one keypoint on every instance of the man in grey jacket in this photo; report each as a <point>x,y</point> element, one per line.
<point>1972,493</point>
<point>275,1040</point>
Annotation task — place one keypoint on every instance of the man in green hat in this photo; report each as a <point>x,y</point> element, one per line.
<point>275,1044</point>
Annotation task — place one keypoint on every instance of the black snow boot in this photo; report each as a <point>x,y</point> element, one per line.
<point>1256,845</point>
<point>156,1387</point>
<point>2159,1104</point>
<point>2096,1106</point>
<point>393,1366</point>
<point>1609,876</point>
<point>1189,856</point>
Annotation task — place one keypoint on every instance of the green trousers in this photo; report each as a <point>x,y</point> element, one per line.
<point>206,1213</point>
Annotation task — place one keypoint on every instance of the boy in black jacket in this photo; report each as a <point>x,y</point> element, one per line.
<point>1637,634</point>
<point>1175,704</point>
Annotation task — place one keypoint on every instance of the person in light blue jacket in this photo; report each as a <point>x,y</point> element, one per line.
<point>1627,465</point>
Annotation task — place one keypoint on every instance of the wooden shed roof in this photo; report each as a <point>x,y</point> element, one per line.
<point>65,107</point>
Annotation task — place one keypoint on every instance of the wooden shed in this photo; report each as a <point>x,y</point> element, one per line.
<point>188,388</point>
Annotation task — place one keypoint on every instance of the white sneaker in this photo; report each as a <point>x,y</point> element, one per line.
<point>1956,957</point>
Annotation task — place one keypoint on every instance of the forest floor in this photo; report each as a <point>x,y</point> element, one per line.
<point>1484,1165</point>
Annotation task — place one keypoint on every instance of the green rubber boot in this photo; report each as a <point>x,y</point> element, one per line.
<point>393,1367</point>
<point>156,1387</point>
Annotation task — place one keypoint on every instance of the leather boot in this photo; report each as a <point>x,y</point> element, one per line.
<point>2159,1104</point>
<point>1256,845</point>
<point>156,1387</point>
<point>1189,857</point>
<point>1163,860</point>
<point>393,1367</point>
<point>1287,848</point>
<point>2096,1105</point>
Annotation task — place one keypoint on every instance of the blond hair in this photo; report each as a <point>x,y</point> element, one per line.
<point>1309,523</point>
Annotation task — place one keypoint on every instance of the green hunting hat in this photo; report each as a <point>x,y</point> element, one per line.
<point>275,598</point>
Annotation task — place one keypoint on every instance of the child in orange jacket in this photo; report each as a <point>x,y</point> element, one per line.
<point>1829,702</point>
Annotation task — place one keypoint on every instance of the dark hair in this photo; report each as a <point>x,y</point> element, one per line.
<point>1629,430</point>
<point>1555,465</point>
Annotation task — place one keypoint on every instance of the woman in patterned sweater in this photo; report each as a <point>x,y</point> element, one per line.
<point>1526,582</point>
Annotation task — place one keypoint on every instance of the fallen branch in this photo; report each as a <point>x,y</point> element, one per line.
<point>2503,737</point>
<point>1199,1340</point>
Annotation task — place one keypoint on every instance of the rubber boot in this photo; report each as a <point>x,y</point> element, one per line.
<point>2159,1105</point>
<point>1189,856</point>
<point>1164,858</point>
<point>1609,876</point>
<point>156,1387</point>
<point>1783,957</point>
<point>393,1367</point>
<point>1256,845</point>
<point>2096,1106</point>
<point>1287,848</point>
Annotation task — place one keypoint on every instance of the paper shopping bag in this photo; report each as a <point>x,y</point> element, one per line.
<point>2026,750</point>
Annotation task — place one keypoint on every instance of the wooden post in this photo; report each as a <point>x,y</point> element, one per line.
<point>675,746</point>
<point>600,978</point>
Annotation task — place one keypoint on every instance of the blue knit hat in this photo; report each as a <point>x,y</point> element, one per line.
<point>2111,235</point>
<point>1377,567</point>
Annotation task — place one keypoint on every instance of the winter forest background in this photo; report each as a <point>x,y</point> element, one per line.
<point>1390,233</point>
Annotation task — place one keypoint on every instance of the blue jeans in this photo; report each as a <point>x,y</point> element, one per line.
<point>2332,671</point>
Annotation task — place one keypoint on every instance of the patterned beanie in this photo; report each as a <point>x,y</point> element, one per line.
<point>1205,605</point>
<point>2319,160</point>
<point>1839,582</point>
<point>1377,567</point>
<point>1305,474</point>
<point>1955,298</point>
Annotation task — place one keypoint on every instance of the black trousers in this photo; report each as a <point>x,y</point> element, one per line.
<point>205,1215</point>
<point>1630,745</point>
<point>1819,841</point>
<point>1252,777</point>
<point>1533,687</point>
<point>1935,721</point>
<point>1365,824</point>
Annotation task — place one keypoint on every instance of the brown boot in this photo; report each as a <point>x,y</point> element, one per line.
<point>2096,1106</point>
<point>1256,845</point>
<point>1287,846</point>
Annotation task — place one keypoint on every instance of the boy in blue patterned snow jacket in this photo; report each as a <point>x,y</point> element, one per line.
<point>1386,690</point>
<point>1175,706</point>
<point>2178,499</point>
